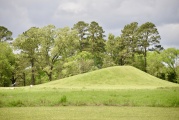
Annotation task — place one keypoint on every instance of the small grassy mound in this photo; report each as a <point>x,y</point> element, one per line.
<point>119,77</point>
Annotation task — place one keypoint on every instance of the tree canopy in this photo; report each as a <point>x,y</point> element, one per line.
<point>5,34</point>
<point>48,53</point>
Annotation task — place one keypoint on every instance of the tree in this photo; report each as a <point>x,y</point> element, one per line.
<point>82,29</point>
<point>46,58</point>
<point>79,63</point>
<point>5,34</point>
<point>96,38</point>
<point>96,42</point>
<point>170,58</point>
<point>28,43</point>
<point>20,69</point>
<point>66,45</point>
<point>155,66</point>
<point>7,60</point>
<point>113,48</point>
<point>147,35</point>
<point>130,39</point>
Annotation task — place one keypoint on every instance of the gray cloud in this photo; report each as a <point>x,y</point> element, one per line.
<point>112,15</point>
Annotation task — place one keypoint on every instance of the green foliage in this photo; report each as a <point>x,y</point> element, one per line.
<point>91,40</point>
<point>7,61</point>
<point>130,41</point>
<point>49,53</point>
<point>28,43</point>
<point>5,34</point>
<point>170,57</point>
<point>108,61</point>
<point>66,43</point>
<point>148,35</point>
<point>63,100</point>
<point>138,61</point>
<point>115,49</point>
<point>46,59</point>
<point>82,29</point>
<point>80,63</point>
<point>155,66</point>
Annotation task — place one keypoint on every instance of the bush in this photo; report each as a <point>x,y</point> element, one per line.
<point>63,99</point>
<point>17,103</point>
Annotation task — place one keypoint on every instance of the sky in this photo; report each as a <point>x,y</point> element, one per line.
<point>20,15</point>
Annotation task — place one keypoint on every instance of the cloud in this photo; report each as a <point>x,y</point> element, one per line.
<point>71,7</point>
<point>169,35</point>
<point>112,15</point>
<point>14,17</point>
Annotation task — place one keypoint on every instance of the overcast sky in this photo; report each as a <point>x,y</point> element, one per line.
<point>19,15</point>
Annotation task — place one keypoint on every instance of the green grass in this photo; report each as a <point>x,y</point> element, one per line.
<point>107,94</point>
<point>163,97</point>
<point>119,77</point>
<point>89,113</point>
<point>114,86</point>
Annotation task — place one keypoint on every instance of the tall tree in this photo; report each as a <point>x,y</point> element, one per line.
<point>5,34</point>
<point>129,38</point>
<point>96,42</point>
<point>20,71</point>
<point>82,29</point>
<point>66,44</point>
<point>7,60</point>
<point>115,49</point>
<point>111,45</point>
<point>46,59</point>
<point>96,38</point>
<point>148,35</point>
<point>28,43</point>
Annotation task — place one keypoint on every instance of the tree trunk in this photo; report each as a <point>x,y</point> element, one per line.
<point>50,76</point>
<point>24,78</point>
<point>145,59</point>
<point>13,79</point>
<point>50,73</point>
<point>133,58</point>
<point>33,73</point>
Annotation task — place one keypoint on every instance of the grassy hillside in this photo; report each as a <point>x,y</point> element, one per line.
<point>119,77</point>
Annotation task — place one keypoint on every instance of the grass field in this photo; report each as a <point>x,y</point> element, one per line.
<point>89,113</point>
<point>111,93</point>
<point>163,97</point>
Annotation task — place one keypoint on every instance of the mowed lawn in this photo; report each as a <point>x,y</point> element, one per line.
<point>89,113</point>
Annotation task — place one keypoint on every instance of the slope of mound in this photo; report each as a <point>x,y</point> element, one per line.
<point>119,77</point>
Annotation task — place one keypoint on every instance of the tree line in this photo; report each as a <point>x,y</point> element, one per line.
<point>39,55</point>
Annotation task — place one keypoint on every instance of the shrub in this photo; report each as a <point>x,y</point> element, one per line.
<point>63,99</point>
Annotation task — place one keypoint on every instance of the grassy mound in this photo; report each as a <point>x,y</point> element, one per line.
<point>119,77</point>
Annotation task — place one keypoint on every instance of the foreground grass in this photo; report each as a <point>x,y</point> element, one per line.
<point>20,97</point>
<point>89,113</point>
